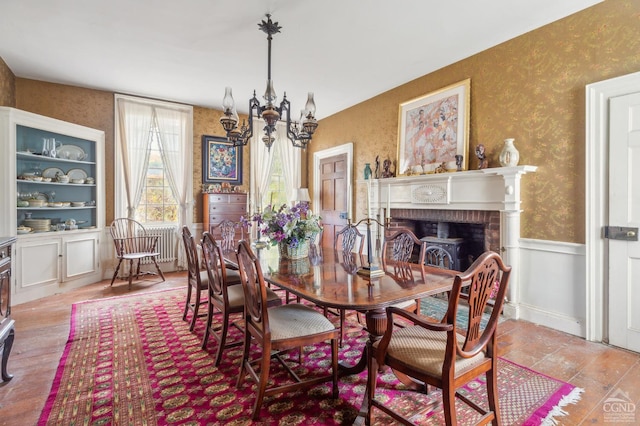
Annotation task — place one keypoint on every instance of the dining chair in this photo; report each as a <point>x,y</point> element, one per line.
<point>277,329</point>
<point>197,279</point>
<point>225,296</point>
<point>227,233</point>
<point>133,243</point>
<point>399,247</point>
<point>350,241</point>
<point>442,354</point>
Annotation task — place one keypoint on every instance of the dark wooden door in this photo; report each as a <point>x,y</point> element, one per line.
<point>333,196</point>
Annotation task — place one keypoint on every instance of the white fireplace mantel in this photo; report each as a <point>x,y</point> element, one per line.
<point>493,189</point>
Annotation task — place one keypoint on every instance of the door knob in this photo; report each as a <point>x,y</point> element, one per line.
<point>631,234</point>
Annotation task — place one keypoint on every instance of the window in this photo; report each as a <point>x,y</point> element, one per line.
<point>157,204</point>
<point>153,161</point>
<point>276,193</point>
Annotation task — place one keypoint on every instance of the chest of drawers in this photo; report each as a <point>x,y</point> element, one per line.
<point>219,207</point>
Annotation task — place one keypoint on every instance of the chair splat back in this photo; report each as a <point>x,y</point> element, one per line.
<point>347,239</point>
<point>254,293</point>
<point>486,271</point>
<point>212,256</point>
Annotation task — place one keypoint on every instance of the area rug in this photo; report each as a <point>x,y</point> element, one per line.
<point>131,360</point>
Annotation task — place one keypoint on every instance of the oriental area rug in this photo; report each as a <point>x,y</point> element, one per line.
<point>131,360</point>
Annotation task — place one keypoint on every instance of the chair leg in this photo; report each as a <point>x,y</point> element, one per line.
<point>115,274</point>
<point>207,327</point>
<point>265,365</point>
<point>186,304</point>
<point>372,377</point>
<point>158,268</point>
<point>334,366</point>
<point>223,337</point>
<point>245,359</point>
<point>341,326</point>
<point>449,404</point>
<point>492,394</point>
<point>196,308</point>
<point>131,272</point>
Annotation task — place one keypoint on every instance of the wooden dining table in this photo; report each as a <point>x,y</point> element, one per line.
<point>330,279</point>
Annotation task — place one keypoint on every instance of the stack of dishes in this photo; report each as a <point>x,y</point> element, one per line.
<point>38,225</point>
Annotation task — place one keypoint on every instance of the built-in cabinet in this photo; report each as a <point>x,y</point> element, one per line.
<point>53,184</point>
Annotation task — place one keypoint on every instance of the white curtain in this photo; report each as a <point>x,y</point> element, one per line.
<point>174,135</point>
<point>291,161</point>
<point>134,128</point>
<point>261,161</point>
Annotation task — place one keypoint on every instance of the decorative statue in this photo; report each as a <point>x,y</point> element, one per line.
<point>459,163</point>
<point>442,168</point>
<point>483,163</point>
<point>376,173</point>
<point>386,166</point>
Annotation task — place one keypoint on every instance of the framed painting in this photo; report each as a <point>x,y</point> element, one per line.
<point>434,131</point>
<point>221,161</point>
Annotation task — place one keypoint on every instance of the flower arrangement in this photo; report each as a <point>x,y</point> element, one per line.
<point>288,225</point>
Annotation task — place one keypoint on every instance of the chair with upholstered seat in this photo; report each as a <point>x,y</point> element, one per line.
<point>441,354</point>
<point>399,247</point>
<point>276,329</point>
<point>197,279</point>
<point>225,296</point>
<point>133,243</point>
<point>350,241</point>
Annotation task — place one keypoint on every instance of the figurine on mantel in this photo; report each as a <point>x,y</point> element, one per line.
<point>376,173</point>
<point>386,169</point>
<point>483,163</point>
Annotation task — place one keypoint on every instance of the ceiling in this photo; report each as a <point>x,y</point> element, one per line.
<point>345,51</point>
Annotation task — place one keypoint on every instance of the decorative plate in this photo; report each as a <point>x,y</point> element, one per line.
<point>77,174</point>
<point>40,196</point>
<point>71,152</point>
<point>51,172</point>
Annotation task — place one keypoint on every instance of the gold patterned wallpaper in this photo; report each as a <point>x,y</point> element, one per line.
<point>530,88</point>
<point>7,86</point>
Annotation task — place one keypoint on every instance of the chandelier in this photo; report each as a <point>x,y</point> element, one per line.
<point>299,132</point>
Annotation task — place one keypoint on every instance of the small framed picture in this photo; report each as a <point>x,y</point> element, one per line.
<point>221,161</point>
<point>434,129</point>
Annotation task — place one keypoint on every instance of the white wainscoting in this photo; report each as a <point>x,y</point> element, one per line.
<point>553,285</point>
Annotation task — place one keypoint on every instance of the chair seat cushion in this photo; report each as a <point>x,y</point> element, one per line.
<point>204,280</point>
<point>424,350</point>
<point>233,277</point>
<point>296,320</point>
<point>235,293</point>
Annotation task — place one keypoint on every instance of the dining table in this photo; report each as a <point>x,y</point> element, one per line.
<point>331,278</point>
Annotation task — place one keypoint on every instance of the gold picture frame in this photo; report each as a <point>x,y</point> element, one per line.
<point>433,130</point>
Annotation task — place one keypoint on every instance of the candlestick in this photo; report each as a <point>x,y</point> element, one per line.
<point>271,199</point>
<point>349,204</point>
<point>369,198</point>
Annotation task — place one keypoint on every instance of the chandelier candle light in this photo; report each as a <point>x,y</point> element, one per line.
<point>299,132</point>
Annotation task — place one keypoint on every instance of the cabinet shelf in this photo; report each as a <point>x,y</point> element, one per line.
<point>32,182</point>
<point>55,208</point>
<point>35,157</point>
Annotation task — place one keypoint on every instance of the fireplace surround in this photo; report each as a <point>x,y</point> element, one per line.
<point>487,199</point>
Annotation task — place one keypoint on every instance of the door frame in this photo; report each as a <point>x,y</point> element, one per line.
<point>318,156</point>
<point>597,198</point>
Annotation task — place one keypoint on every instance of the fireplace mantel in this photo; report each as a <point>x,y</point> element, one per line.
<point>494,189</point>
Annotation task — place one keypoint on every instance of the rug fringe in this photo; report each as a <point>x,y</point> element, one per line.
<point>571,398</point>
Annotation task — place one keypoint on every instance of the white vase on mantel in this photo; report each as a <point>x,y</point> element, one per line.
<point>509,156</point>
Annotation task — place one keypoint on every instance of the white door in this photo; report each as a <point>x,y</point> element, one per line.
<point>624,212</point>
